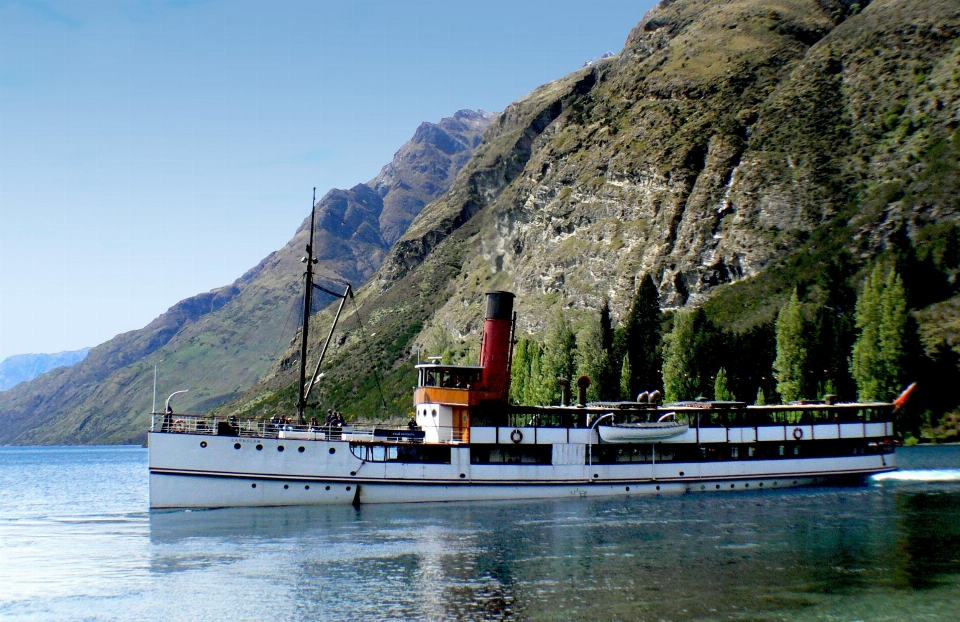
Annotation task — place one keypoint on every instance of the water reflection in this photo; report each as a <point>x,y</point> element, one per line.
<point>790,553</point>
<point>929,530</point>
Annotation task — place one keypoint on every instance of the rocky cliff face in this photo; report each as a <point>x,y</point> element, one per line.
<point>725,139</point>
<point>219,343</point>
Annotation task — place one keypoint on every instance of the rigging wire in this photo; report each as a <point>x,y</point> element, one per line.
<point>376,374</point>
<point>286,326</point>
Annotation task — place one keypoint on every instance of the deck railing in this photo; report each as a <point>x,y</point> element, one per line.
<point>361,432</point>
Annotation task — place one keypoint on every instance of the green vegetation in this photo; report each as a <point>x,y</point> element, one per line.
<point>680,381</point>
<point>641,338</point>
<point>790,365</point>
<point>720,390</point>
<point>878,354</point>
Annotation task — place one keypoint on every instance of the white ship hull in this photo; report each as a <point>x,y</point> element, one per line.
<point>190,470</point>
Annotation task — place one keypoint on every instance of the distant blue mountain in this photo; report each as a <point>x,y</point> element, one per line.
<point>22,367</point>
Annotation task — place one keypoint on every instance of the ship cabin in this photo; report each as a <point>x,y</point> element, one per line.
<point>447,394</point>
<point>443,398</point>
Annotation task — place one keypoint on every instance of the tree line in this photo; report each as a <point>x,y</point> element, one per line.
<point>852,343</point>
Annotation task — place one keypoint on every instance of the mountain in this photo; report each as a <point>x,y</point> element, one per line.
<point>22,367</point>
<point>220,343</point>
<point>733,150</point>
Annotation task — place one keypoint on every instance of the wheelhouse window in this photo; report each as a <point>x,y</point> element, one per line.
<point>448,377</point>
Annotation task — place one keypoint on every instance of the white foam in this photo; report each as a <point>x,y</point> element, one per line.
<point>920,475</point>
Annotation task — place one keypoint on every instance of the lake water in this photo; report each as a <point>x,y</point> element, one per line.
<point>78,543</point>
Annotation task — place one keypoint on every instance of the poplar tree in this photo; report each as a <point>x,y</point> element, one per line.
<point>761,399</point>
<point>791,362</point>
<point>642,338</point>
<point>592,359</point>
<point>534,392</point>
<point>625,375</point>
<point>520,372</point>
<point>607,382</point>
<point>558,359</point>
<point>720,391</point>
<point>680,381</point>
<point>878,353</point>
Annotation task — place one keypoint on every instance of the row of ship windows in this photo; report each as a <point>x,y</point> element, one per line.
<point>259,447</point>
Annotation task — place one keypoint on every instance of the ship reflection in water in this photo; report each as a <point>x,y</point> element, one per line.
<point>888,550</point>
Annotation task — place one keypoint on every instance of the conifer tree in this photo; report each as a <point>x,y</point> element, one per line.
<point>878,353</point>
<point>607,382</point>
<point>720,391</point>
<point>791,363</point>
<point>643,336</point>
<point>680,381</point>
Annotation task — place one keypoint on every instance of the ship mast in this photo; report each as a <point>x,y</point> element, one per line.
<point>307,304</point>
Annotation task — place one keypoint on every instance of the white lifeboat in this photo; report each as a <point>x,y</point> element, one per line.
<point>665,427</point>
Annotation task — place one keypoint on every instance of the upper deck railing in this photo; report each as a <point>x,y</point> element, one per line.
<point>703,415</point>
<point>696,415</point>
<point>359,432</point>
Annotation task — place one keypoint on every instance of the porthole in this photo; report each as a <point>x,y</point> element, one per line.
<point>307,487</point>
<point>203,443</point>
<point>463,475</point>
<point>237,445</point>
<point>353,472</point>
<point>628,489</point>
<point>259,447</point>
<point>301,449</point>
<point>718,486</point>
<point>328,488</point>
<point>434,412</point>
<point>702,487</point>
<point>253,485</point>
<point>746,485</point>
<point>333,450</point>
<point>681,473</point>
<point>761,484</point>
<point>279,447</point>
<point>732,485</point>
<point>348,488</point>
<point>658,488</point>
<point>596,476</point>
<point>286,486</point>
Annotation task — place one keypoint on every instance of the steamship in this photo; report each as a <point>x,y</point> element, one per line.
<point>469,443</point>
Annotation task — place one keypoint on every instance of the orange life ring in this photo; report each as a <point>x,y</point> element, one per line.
<point>797,433</point>
<point>516,436</point>
<point>179,425</point>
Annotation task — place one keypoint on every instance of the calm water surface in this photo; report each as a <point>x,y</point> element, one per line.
<point>77,543</point>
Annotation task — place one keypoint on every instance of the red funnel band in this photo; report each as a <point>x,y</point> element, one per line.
<point>495,355</point>
<point>495,351</point>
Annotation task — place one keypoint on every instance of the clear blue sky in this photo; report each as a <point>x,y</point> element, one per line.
<point>150,151</point>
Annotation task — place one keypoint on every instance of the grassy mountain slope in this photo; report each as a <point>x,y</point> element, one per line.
<point>731,150</point>
<point>220,343</point>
